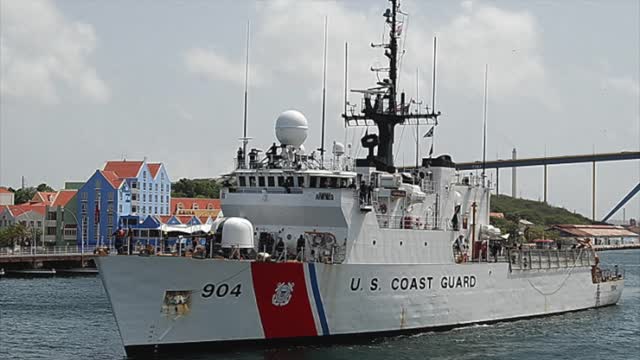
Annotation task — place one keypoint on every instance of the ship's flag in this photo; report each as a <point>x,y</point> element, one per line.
<point>97,213</point>
<point>429,133</point>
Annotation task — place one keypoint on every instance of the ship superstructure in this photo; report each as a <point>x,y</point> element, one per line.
<point>312,249</point>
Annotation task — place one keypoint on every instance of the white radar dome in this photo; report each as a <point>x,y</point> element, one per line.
<point>237,233</point>
<point>338,149</point>
<point>291,128</point>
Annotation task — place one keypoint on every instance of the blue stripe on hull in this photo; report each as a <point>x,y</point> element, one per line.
<point>318,299</point>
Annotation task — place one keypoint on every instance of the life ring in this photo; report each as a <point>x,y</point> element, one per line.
<point>383,208</point>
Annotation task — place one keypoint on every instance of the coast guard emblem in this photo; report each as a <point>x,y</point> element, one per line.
<point>283,294</point>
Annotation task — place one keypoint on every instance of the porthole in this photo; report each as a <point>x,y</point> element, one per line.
<point>425,243</point>
<point>374,242</point>
<point>400,243</point>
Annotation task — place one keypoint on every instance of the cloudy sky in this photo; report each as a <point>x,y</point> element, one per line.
<point>82,82</point>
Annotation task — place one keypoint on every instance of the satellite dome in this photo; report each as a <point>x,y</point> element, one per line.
<point>338,149</point>
<point>291,128</point>
<point>237,232</point>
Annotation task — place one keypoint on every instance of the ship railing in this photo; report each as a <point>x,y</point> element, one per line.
<point>541,259</point>
<point>409,222</point>
<point>268,190</point>
<point>611,273</point>
<point>428,186</point>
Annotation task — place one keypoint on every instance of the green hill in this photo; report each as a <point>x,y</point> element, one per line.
<point>539,213</point>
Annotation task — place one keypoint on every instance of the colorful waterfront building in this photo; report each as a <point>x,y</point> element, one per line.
<point>122,194</point>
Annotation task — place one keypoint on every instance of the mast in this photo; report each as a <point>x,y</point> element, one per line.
<point>324,93</point>
<point>383,111</point>
<point>245,139</point>
<point>484,125</point>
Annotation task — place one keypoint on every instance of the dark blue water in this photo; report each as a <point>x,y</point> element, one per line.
<point>70,318</point>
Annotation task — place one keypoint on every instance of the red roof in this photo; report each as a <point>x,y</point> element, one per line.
<point>154,168</point>
<point>184,218</point>
<point>4,190</point>
<point>113,178</point>
<point>164,218</point>
<point>124,169</point>
<point>16,210</point>
<point>43,197</point>
<point>63,197</point>
<point>595,230</point>
<point>187,203</point>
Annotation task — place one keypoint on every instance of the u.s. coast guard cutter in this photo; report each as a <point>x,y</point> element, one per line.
<point>310,251</point>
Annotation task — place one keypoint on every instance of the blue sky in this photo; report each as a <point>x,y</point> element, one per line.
<point>85,82</point>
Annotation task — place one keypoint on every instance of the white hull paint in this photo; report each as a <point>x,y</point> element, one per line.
<point>350,298</point>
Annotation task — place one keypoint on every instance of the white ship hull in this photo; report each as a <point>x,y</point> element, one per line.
<point>225,301</point>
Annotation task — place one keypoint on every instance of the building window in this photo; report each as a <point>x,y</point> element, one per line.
<point>85,196</point>
<point>134,185</point>
<point>271,181</point>
<point>180,206</point>
<point>144,175</point>
<point>242,181</point>
<point>144,197</point>
<point>120,208</point>
<point>52,215</point>
<point>156,198</point>
<point>261,181</point>
<point>98,184</point>
<point>210,207</point>
<point>134,197</point>
<point>195,206</point>
<point>156,187</point>
<point>167,199</point>
<point>39,224</point>
<point>134,209</point>
<point>144,185</point>
<point>84,208</point>
<point>155,209</point>
<point>51,230</point>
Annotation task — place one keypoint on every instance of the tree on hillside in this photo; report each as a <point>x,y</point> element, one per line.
<point>24,195</point>
<point>44,187</point>
<point>202,188</point>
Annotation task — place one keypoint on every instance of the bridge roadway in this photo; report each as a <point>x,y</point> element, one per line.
<point>52,257</point>
<point>550,160</point>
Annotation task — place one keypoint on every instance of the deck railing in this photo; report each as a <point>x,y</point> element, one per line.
<point>540,259</point>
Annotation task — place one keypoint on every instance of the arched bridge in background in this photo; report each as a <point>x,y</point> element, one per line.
<point>514,163</point>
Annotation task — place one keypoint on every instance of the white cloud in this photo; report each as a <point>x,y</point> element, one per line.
<point>624,84</point>
<point>43,54</point>
<point>288,43</point>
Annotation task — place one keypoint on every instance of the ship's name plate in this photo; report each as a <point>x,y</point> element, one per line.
<point>413,283</point>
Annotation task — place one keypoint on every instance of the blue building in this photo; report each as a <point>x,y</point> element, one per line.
<point>124,193</point>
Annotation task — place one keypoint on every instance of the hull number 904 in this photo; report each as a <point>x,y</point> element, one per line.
<point>221,290</point>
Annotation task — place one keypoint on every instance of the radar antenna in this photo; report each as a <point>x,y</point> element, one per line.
<point>385,113</point>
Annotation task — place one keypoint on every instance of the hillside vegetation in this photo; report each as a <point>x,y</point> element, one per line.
<point>540,214</point>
